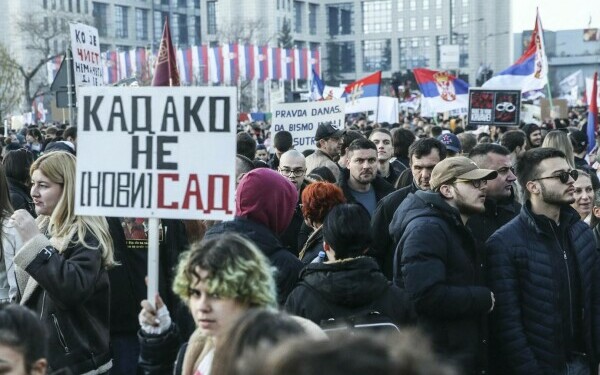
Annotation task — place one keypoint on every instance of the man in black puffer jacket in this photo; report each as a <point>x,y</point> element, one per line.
<point>349,283</point>
<point>440,266</point>
<point>543,268</point>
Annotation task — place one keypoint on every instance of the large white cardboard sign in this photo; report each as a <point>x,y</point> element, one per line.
<point>85,46</point>
<point>303,119</point>
<point>156,152</point>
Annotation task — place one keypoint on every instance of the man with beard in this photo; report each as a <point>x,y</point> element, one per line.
<point>424,154</point>
<point>500,205</point>
<point>543,268</point>
<point>359,181</point>
<point>385,150</point>
<point>440,266</point>
<point>328,141</point>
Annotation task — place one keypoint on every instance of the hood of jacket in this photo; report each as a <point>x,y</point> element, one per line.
<point>262,236</point>
<point>420,204</point>
<point>266,197</point>
<point>350,282</point>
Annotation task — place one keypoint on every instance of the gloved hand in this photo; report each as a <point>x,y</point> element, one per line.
<point>154,320</point>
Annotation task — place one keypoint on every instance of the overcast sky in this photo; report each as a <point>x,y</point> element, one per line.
<point>556,14</point>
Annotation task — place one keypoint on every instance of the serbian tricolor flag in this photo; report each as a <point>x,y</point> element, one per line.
<point>441,91</point>
<point>215,61</point>
<point>530,72</point>
<point>370,86</point>
<point>165,70</point>
<point>316,87</point>
<point>592,120</point>
<point>314,61</point>
<point>363,95</point>
<point>246,62</point>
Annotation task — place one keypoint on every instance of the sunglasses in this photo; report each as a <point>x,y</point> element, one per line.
<point>562,176</point>
<point>476,183</point>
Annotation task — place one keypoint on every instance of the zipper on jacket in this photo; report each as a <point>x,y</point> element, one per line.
<point>61,337</point>
<point>43,303</point>
<point>565,261</point>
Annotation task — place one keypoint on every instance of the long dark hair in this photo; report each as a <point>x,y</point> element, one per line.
<point>6,209</point>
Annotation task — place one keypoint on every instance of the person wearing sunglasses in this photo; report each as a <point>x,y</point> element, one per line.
<point>543,269</point>
<point>439,265</point>
<point>500,204</point>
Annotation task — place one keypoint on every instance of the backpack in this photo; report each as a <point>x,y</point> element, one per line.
<point>372,320</point>
<point>369,319</point>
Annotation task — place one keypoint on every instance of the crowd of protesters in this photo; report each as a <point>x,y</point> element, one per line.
<point>420,247</point>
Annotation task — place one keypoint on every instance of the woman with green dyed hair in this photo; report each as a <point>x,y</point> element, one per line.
<point>219,279</point>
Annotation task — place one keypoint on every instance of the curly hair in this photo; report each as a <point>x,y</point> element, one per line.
<point>319,198</point>
<point>236,269</point>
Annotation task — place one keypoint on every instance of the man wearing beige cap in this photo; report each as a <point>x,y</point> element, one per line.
<point>438,263</point>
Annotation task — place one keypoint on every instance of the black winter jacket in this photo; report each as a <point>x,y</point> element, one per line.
<point>526,264</point>
<point>72,299</point>
<point>287,265</point>
<point>379,184</point>
<point>442,272</point>
<point>345,288</point>
<point>384,245</point>
<point>313,246</point>
<point>497,214</point>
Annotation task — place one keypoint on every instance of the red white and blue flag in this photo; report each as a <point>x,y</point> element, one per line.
<point>592,120</point>
<point>363,95</point>
<point>530,72</point>
<point>441,91</point>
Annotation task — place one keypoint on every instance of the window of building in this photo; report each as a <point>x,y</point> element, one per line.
<point>413,4</point>
<point>159,22</point>
<point>164,2</point>
<point>438,4</point>
<point>70,5</point>
<point>438,22</point>
<point>400,5</point>
<point>211,12</point>
<point>197,4</point>
<point>413,23</point>
<point>141,24</point>
<point>340,19</point>
<point>464,19</point>
<point>121,22</point>
<point>377,55</point>
<point>45,4</point>
<point>377,16</point>
<point>413,52</point>
<point>100,14</point>
<point>182,3</point>
<point>463,48</point>
<point>312,18</point>
<point>62,4</point>
<point>465,3</point>
<point>85,6</point>
<point>183,29</point>
<point>298,16</point>
<point>197,30</point>
<point>400,24</point>
<point>341,57</point>
<point>425,4</point>
<point>174,25</point>
<point>426,23</point>
<point>53,4</point>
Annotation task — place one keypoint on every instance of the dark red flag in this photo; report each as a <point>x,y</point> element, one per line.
<point>165,70</point>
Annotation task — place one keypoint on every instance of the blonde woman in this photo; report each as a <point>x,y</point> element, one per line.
<point>219,279</point>
<point>560,140</point>
<point>61,269</point>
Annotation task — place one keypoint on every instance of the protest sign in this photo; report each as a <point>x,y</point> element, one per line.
<point>559,109</point>
<point>302,120</point>
<point>156,152</point>
<point>85,46</point>
<point>494,107</point>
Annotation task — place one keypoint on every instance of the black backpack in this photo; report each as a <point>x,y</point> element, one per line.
<point>371,321</point>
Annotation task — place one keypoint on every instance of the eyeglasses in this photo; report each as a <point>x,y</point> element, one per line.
<point>296,172</point>
<point>562,176</point>
<point>476,183</point>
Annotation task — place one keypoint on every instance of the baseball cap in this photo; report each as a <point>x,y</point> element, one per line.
<point>451,142</point>
<point>458,167</point>
<point>327,131</point>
